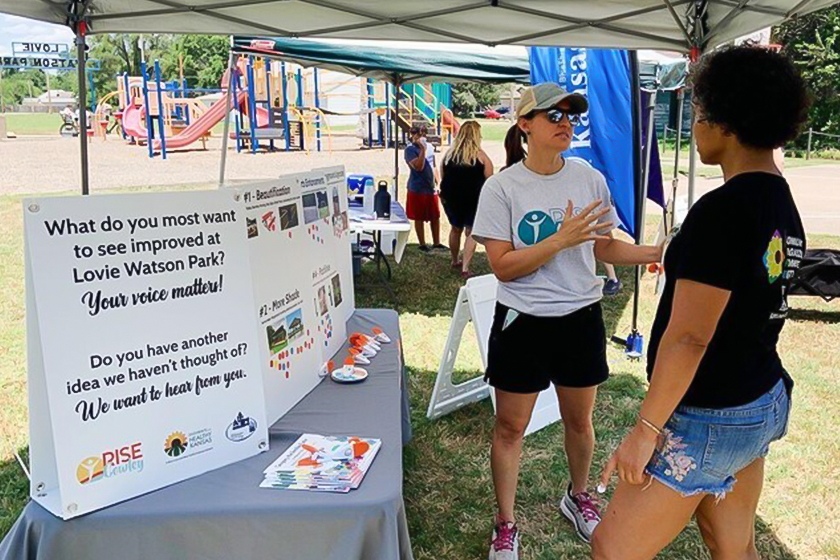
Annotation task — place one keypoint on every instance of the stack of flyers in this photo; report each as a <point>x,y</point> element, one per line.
<point>322,464</point>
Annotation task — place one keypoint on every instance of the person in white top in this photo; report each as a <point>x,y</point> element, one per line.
<point>543,221</point>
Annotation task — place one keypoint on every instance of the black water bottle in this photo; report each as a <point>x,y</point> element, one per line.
<point>382,202</point>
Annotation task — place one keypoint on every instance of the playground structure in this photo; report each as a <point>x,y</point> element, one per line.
<point>160,115</point>
<point>419,104</point>
<point>276,106</point>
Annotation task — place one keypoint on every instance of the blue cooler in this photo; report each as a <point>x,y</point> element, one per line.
<point>356,185</point>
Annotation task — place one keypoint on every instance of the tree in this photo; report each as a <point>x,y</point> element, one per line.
<point>469,97</point>
<point>204,57</point>
<point>120,52</point>
<point>813,43</point>
<point>17,84</point>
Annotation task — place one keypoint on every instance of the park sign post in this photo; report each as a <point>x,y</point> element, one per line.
<point>45,49</point>
<point>28,55</point>
<point>43,63</point>
<point>43,56</point>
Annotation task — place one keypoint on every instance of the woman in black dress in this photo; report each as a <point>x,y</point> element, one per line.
<point>464,169</point>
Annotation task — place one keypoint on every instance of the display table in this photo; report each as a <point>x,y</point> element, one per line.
<point>224,515</point>
<point>398,224</point>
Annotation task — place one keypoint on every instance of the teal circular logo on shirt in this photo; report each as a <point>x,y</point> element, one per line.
<point>535,226</point>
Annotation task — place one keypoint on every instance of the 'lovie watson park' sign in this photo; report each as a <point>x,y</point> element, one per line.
<point>28,63</point>
<point>43,56</point>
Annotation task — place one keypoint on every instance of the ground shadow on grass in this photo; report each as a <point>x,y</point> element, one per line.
<point>448,485</point>
<point>14,491</point>
<point>815,316</point>
<point>426,283</point>
<point>423,283</point>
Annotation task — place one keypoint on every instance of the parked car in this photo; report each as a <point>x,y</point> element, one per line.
<point>492,114</point>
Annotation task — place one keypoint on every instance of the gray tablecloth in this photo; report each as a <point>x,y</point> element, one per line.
<point>224,515</point>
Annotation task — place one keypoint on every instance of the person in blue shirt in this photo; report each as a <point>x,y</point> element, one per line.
<point>422,205</point>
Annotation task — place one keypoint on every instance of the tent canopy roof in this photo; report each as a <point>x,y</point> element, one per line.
<point>381,63</point>
<point>676,25</point>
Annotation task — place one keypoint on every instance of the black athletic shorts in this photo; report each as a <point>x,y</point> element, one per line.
<point>528,353</point>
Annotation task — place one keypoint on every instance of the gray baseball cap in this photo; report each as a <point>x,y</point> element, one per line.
<point>546,96</point>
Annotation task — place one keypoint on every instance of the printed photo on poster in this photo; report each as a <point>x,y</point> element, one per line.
<point>336,202</point>
<point>294,320</point>
<point>269,220</point>
<point>323,305</point>
<point>336,290</point>
<point>278,336</point>
<point>323,204</point>
<point>338,227</point>
<point>288,216</point>
<point>310,208</point>
<point>252,227</point>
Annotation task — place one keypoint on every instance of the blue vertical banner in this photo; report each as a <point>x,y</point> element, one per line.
<point>604,137</point>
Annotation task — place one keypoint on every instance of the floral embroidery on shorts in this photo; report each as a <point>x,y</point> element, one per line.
<point>680,464</point>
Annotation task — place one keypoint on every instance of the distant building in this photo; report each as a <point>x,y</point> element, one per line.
<point>57,99</point>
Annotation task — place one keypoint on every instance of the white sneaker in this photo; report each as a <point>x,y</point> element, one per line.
<point>505,542</point>
<point>581,510</point>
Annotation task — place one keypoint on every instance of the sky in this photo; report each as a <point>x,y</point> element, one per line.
<point>17,29</point>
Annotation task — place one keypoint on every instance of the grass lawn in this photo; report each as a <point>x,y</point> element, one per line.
<point>448,490</point>
<point>710,171</point>
<point>28,124</point>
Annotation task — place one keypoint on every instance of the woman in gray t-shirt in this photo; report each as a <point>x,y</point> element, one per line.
<point>543,221</point>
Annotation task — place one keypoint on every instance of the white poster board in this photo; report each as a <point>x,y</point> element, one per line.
<point>143,354</point>
<point>299,243</point>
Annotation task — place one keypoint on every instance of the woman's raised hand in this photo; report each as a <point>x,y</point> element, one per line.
<point>583,227</point>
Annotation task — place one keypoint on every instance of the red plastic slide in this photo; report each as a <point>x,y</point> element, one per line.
<point>202,125</point>
<point>134,123</point>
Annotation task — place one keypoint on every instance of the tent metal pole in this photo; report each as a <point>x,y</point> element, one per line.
<point>692,165</point>
<point>396,137</point>
<point>692,162</point>
<point>676,180</point>
<point>635,96</point>
<point>226,133</point>
<point>83,124</point>
<point>648,154</point>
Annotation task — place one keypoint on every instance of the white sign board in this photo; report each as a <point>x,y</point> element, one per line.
<point>144,362</point>
<point>477,303</point>
<point>301,265</point>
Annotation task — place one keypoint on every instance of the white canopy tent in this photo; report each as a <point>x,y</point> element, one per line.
<point>678,25</point>
<point>686,26</point>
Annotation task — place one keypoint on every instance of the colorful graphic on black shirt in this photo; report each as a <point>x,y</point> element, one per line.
<point>774,258</point>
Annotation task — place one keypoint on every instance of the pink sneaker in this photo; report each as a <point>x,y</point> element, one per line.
<point>582,510</point>
<point>505,543</point>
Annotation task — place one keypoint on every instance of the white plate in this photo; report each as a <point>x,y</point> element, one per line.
<point>358,375</point>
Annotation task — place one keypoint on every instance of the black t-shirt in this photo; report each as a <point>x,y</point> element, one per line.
<point>745,237</point>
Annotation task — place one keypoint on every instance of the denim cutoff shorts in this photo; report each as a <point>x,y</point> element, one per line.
<point>701,449</point>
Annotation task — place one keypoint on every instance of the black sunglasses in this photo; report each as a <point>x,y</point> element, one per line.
<point>556,115</point>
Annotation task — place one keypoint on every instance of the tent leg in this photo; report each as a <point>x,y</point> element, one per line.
<point>646,175</point>
<point>676,180</point>
<point>635,339</point>
<point>83,124</point>
<point>226,133</point>
<point>692,165</point>
<point>396,137</point>
<point>636,97</point>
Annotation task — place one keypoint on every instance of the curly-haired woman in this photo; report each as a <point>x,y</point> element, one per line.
<point>718,394</point>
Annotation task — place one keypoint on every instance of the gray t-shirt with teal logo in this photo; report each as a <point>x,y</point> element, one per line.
<point>523,207</point>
